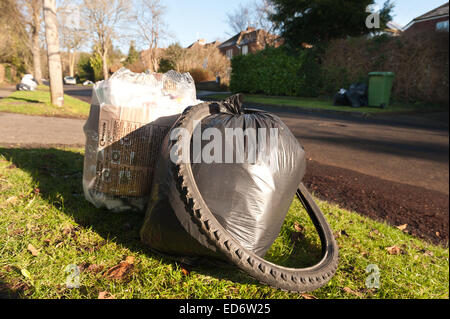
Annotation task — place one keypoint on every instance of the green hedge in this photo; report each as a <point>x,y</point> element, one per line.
<point>277,71</point>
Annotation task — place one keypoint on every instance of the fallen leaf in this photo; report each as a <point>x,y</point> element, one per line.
<point>67,230</point>
<point>394,250</point>
<point>119,271</point>
<point>59,244</point>
<point>33,250</point>
<point>105,295</point>
<point>17,231</point>
<point>374,232</point>
<point>94,269</point>
<point>341,233</point>
<point>352,292</point>
<point>438,234</point>
<point>11,200</point>
<point>402,227</point>
<point>428,253</point>
<point>185,270</point>
<point>298,228</point>
<point>26,273</point>
<point>130,260</point>
<point>308,296</point>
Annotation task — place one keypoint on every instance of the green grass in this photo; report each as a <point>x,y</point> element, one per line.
<point>327,104</point>
<point>38,103</point>
<point>41,203</point>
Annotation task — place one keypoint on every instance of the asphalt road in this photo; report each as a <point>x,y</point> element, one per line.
<point>409,151</point>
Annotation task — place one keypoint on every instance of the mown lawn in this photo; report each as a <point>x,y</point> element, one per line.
<point>327,104</point>
<point>46,226</point>
<point>38,103</point>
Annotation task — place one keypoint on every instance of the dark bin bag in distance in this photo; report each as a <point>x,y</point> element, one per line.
<point>249,199</point>
<point>357,95</point>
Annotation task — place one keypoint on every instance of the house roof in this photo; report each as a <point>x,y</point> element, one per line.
<point>248,36</point>
<point>436,13</point>
<point>202,43</point>
<point>231,41</point>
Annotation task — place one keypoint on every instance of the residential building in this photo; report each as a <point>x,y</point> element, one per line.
<point>248,41</point>
<point>434,20</point>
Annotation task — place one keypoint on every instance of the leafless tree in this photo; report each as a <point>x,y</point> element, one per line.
<point>35,13</point>
<point>240,19</point>
<point>104,18</point>
<point>72,32</point>
<point>262,11</point>
<point>54,59</point>
<point>151,27</point>
<point>255,14</point>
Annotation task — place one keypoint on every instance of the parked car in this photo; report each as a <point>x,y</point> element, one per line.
<point>70,80</point>
<point>88,82</point>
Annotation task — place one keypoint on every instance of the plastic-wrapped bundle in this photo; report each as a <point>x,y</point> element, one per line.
<point>129,117</point>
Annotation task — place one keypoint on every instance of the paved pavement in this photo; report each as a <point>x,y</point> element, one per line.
<point>404,152</point>
<point>5,91</point>
<point>40,130</point>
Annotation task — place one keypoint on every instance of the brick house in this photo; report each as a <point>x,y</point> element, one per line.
<point>434,20</point>
<point>249,41</point>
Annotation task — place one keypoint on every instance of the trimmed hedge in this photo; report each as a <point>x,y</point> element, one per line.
<point>276,71</point>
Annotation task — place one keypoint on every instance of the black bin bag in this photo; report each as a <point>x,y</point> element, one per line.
<point>223,185</point>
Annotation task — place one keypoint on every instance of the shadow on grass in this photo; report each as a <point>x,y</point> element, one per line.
<point>21,99</point>
<point>58,175</point>
<point>6,292</point>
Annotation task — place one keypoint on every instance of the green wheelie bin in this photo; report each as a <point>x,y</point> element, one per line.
<point>380,85</point>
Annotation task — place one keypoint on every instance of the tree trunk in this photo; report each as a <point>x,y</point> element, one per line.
<point>105,64</point>
<point>71,63</point>
<point>54,58</point>
<point>35,45</point>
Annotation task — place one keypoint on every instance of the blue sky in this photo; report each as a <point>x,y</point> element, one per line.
<point>189,20</point>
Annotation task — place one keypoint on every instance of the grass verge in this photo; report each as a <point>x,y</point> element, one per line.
<point>46,226</point>
<point>38,103</point>
<point>327,104</point>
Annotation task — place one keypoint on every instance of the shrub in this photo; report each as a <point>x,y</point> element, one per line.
<point>277,71</point>
<point>165,65</point>
<point>201,75</point>
<point>419,61</point>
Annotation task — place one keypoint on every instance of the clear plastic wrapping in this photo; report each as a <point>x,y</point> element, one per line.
<point>129,117</point>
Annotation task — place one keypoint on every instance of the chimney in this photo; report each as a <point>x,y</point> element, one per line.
<point>201,41</point>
